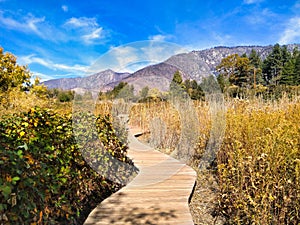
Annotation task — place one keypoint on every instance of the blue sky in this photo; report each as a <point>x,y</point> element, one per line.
<point>63,38</point>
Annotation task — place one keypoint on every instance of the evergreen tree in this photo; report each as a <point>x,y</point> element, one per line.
<point>289,72</point>
<point>254,59</point>
<point>177,79</point>
<point>193,89</point>
<point>176,86</point>
<point>144,92</point>
<point>256,68</point>
<point>242,76</point>
<point>297,70</point>
<point>286,55</point>
<point>273,65</point>
<point>222,82</point>
<point>235,70</point>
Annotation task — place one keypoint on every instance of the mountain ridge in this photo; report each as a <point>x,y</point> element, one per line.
<point>195,65</point>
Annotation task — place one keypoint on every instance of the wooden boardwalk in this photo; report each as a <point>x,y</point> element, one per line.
<point>159,194</point>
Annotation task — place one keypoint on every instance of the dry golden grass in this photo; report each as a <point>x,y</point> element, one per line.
<point>258,164</point>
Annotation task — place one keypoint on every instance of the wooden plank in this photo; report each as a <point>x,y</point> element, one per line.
<point>157,195</point>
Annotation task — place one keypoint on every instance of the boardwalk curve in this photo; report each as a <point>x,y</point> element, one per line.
<point>159,194</point>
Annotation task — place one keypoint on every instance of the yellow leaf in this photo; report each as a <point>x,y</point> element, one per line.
<point>22,133</point>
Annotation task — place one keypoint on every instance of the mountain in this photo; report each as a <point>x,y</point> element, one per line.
<point>193,65</point>
<point>94,82</point>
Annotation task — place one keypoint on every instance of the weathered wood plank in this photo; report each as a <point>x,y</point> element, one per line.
<point>157,195</point>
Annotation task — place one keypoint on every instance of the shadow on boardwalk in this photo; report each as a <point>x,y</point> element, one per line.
<point>159,194</point>
<point>130,216</point>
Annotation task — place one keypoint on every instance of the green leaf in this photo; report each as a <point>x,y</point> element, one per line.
<point>15,179</point>
<point>6,191</point>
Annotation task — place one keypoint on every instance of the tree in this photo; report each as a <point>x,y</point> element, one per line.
<point>242,73</point>
<point>116,90</point>
<point>144,92</point>
<point>254,59</point>
<point>193,89</point>
<point>286,55</point>
<point>66,96</point>
<point>290,70</point>
<point>12,75</point>
<point>273,65</point>
<point>297,70</point>
<point>176,86</point>
<point>127,93</point>
<point>227,66</point>
<point>256,68</point>
<point>288,73</point>
<point>16,91</point>
<point>234,70</point>
<point>177,78</point>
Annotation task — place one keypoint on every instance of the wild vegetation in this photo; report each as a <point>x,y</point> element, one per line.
<point>253,179</point>
<point>45,177</point>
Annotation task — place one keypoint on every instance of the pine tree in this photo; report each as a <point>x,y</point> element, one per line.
<point>242,76</point>
<point>286,55</point>
<point>234,69</point>
<point>297,70</point>
<point>273,65</point>
<point>256,68</point>
<point>254,59</point>
<point>176,86</point>
<point>289,72</point>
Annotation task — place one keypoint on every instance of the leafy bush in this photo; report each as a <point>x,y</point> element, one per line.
<point>259,165</point>
<point>44,178</point>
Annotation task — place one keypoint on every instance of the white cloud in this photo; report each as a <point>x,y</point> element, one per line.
<point>158,37</point>
<point>136,55</point>
<point>249,2</point>
<point>65,8</point>
<point>31,59</point>
<point>96,34</point>
<point>41,76</point>
<point>81,22</point>
<point>87,28</point>
<point>27,24</point>
<point>260,16</point>
<point>120,58</point>
<point>292,31</point>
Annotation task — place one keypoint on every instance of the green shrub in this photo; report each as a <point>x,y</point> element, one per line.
<point>44,178</point>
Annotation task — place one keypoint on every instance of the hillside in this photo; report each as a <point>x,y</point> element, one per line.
<point>193,65</point>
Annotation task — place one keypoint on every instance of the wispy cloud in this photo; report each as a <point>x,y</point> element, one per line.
<point>136,55</point>
<point>261,16</point>
<point>159,37</point>
<point>291,32</point>
<point>31,59</point>
<point>88,28</point>
<point>27,24</point>
<point>95,34</point>
<point>249,2</point>
<point>81,22</point>
<point>65,8</point>
<point>42,76</point>
<point>32,25</point>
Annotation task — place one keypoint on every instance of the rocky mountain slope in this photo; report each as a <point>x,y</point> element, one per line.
<point>94,82</point>
<point>193,65</point>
